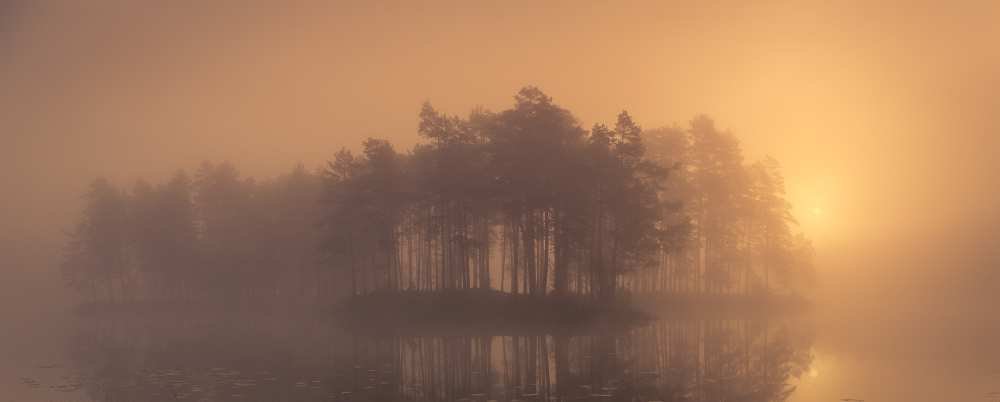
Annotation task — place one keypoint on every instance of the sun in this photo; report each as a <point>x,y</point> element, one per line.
<point>817,211</point>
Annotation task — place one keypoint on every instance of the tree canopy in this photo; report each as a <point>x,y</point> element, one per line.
<point>522,201</point>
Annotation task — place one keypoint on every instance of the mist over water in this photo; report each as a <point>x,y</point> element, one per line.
<point>140,360</point>
<point>882,116</point>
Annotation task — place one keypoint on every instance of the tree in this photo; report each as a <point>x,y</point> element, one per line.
<point>718,181</point>
<point>292,209</point>
<point>670,147</point>
<point>365,206</point>
<point>522,201</point>
<point>164,235</point>
<point>97,256</point>
<point>772,218</point>
<point>230,232</point>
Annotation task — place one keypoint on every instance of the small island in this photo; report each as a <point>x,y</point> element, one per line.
<point>517,216</point>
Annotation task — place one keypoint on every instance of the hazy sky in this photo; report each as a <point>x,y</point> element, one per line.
<point>882,115</point>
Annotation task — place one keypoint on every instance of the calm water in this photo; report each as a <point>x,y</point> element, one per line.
<point>130,358</point>
<point>840,351</point>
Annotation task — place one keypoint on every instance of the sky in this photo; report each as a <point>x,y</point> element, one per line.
<point>868,107</point>
<point>883,114</point>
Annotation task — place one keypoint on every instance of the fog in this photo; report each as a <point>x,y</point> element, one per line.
<point>883,117</point>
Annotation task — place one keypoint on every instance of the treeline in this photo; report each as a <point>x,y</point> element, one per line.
<point>520,201</point>
<point>215,235</point>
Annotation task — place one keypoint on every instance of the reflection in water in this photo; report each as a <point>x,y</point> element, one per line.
<point>211,360</point>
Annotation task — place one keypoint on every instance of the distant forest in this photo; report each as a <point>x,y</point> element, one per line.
<point>521,201</point>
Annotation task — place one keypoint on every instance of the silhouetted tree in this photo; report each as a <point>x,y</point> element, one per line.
<point>97,259</point>
<point>164,236</point>
<point>522,201</point>
<point>291,206</point>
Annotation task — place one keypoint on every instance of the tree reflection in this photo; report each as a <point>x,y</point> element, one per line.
<point>235,360</point>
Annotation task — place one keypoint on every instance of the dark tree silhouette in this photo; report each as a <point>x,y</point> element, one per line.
<point>97,258</point>
<point>522,201</point>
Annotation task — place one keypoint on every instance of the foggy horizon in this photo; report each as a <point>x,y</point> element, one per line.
<point>881,115</point>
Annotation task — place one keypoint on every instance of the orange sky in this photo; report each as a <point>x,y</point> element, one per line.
<point>881,115</point>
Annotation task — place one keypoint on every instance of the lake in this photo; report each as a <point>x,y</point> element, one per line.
<point>276,358</point>
<point>838,351</point>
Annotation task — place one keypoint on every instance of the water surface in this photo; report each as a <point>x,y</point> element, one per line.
<point>127,357</point>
